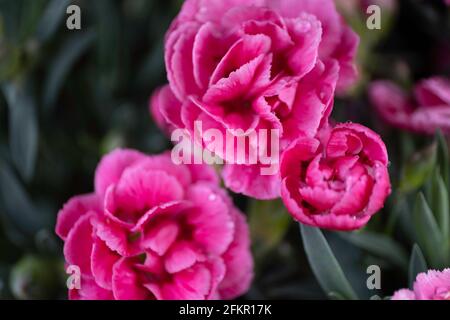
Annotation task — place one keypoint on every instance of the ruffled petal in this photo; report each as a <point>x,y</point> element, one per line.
<point>111,167</point>
<point>210,219</point>
<point>166,109</point>
<point>126,283</point>
<point>238,261</point>
<point>251,181</point>
<point>90,290</point>
<point>78,245</point>
<point>102,262</point>
<point>73,210</point>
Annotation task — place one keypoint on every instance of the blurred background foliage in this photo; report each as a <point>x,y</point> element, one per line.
<point>68,97</point>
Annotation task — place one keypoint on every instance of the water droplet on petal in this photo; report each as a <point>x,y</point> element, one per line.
<point>212,197</point>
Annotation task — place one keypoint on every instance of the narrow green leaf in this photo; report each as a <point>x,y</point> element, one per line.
<point>11,18</point>
<point>417,264</point>
<point>443,157</point>
<point>152,68</point>
<point>51,19</point>
<point>23,128</point>
<point>10,64</point>
<point>110,48</point>
<point>417,169</point>
<point>71,51</point>
<point>29,18</point>
<point>429,236</point>
<point>378,245</point>
<point>407,145</point>
<point>18,207</point>
<point>335,296</point>
<point>440,204</point>
<point>324,265</point>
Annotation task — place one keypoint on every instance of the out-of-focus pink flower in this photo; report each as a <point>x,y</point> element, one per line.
<point>155,230</point>
<point>337,181</point>
<point>251,65</point>
<point>425,112</point>
<point>432,285</point>
<point>433,92</point>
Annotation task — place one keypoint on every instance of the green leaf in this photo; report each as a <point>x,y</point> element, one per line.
<point>417,264</point>
<point>378,245</point>
<point>428,235</point>
<point>51,19</point>
<point>442,156</point>
<point>418,169</point>
<point>440,204</point>
<point>10,64</point>
<point>152,68</point>
<point>335,296</point>
<point>23,128</point>
<point>18,207</point>
<point>407,145</point>
<point>110,52</point>
<point>268,222</point>
<point>324,265</point>
<point>10,19</point>
<point>72,49</point>
<point>29,18</point>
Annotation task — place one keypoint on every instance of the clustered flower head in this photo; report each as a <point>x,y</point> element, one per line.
<point>432,285</point>
<point>276,64</point>
<point>155,230</point>
<point>243,66</point>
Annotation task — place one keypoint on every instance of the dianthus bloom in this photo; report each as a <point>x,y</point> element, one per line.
<point>337,181</point>
<point>426,112</point>
<point>433,285</point>
<point>244,66</point>
<point>155,230</point>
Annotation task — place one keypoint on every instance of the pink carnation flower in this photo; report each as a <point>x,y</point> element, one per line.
<point>433,285</point>
<point>252,65</point>
<point>426,112</point>
<point>337,181</point>
<point>155,230</point>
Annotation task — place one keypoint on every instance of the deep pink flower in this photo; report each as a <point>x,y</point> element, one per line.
<point>253,65</point>
<point>427,111</point>
<point>155,230</point>
<point>337,181</point>
<point>432,285</point>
